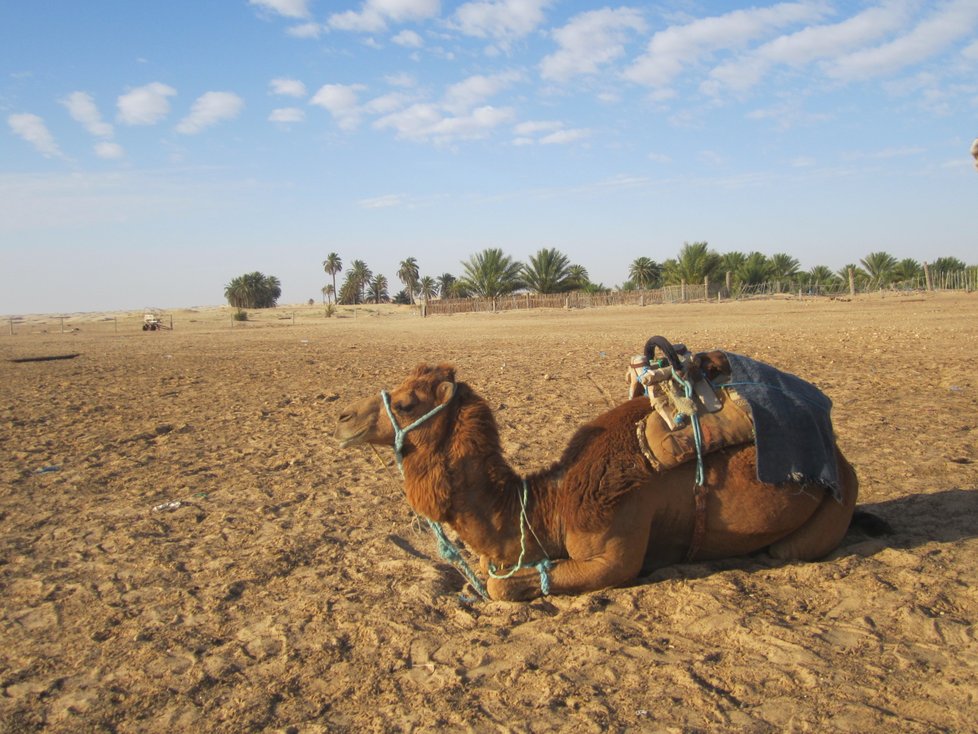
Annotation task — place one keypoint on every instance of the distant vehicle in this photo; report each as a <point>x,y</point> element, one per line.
<point>152,322</point>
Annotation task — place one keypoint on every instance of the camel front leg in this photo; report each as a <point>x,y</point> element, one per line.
<point>613,566</point>
<point>597,560</point>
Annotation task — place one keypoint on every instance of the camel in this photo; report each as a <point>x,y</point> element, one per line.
<point>598,517</point>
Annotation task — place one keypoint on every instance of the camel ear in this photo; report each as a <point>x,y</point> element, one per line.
<point>444,392</point>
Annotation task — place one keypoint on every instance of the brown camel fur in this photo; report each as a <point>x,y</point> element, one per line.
<point>601,513</point>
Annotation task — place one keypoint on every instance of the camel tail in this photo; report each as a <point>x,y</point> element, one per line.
<point>873,525</point>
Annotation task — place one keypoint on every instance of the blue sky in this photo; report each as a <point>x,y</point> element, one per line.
<point>150,152</point>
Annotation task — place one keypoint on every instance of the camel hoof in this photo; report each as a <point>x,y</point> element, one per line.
<point>512,589</point>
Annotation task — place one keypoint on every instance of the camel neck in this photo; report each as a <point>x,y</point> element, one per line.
<point>464,480</point>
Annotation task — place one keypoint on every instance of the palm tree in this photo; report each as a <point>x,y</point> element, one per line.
<point>879,267</point>
<point>408,275</point>
<point>578,276</point>
<point>378,288</point>
<point>821,275</point>
<point>360,274</point>
<point>547,272</point>
<point>645,273</point>
<point>858,274</point>
<point>490,273</point>
<point>943,265</point>
<point>253,290</point>
<point>784,269</point>
<point>333,265</point>
<point>427,287</point>
<point>730,262</point>
<point>350,291</point>
<point>328,292</point>
<point>907,269</point>
<point>755,269</point>
<point>446,282</point>
<point>695,263</point>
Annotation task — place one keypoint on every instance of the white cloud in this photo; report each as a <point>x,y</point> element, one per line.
<point>288,8</point>
<point>671,50</point>
<point>809,45</point>
<point>306,30</point>
<point>426,122</point>
<point>532,127</point>
<point>564,137</point>
<point>109,151</point>
<point>32,129</point>
<point>971,51</point>
<point>145,105</point>
<point>81,107</point>
<point>474,90</point>
<point>341,101</point>
<point>550,132</point>
<point>401,79</point>
<point>287,115</point>
<point>210,109</point>
<point>374,15</point>
<point>385,103</point>
<point>383,202</point>
<point>589,41</point>
<point>502,20</point>
<point>287,87</point>
<point>952,22</point>
<point>408,39</point>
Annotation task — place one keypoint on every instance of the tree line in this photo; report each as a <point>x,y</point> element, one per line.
<point>491,274</point>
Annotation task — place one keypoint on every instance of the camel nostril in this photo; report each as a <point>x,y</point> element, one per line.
<point>344,417</point>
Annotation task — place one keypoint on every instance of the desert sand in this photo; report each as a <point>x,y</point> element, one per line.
<point>183,546</point>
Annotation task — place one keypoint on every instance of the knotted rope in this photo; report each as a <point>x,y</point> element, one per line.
<point>448,550</point>
<point>542,566</point>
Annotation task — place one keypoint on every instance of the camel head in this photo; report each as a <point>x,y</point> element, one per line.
<point>369,421</point>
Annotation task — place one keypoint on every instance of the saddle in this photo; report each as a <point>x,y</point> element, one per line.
<point>692,412</point>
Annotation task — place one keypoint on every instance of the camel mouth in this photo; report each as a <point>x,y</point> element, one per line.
<point>354,440</point>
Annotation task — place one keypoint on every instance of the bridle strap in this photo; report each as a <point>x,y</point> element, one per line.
<point>401,433</point>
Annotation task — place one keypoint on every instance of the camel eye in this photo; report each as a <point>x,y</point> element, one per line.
<point>406,405</point>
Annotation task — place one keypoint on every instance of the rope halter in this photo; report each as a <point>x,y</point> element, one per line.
<point>401,433</point>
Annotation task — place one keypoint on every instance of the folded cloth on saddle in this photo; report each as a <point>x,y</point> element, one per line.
<point>793,428</point>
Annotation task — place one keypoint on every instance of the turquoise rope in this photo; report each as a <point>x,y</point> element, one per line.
<point>542,566</point>
<point>451,553</point>
<point>400,433</point>
<point>446,549</point>
<point>697,432</point>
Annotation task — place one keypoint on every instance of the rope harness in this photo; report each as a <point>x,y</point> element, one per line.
<point>448,550</point>
<point>542,566</point>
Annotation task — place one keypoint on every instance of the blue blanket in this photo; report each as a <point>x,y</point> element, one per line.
<point>795,442</point>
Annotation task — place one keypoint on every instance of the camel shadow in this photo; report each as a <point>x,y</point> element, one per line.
<point>945,516</point>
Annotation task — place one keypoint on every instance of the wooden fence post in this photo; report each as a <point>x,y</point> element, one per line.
<point>927,280</point>
<point>682,290</point>
<point>852,283</point>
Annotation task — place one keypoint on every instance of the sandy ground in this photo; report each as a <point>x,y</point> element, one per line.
<point>183,547</point>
